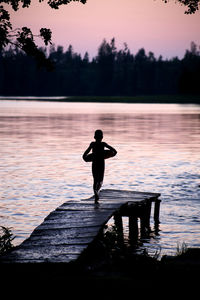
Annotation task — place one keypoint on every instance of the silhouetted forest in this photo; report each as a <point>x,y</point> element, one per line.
<point>112,72</point>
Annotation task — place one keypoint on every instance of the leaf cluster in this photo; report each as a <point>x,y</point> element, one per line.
<point>56,3</point>
<point>192,5</point>
<point>26,3</point>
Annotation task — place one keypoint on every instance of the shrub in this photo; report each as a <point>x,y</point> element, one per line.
<point>6,238</point>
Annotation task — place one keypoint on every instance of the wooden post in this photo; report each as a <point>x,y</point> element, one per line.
<point>148,214</point>
<point>133,229</point>
<point>157,211</point>
<point>119,227</point>
<point>118,222</point>
<point>145,219</point>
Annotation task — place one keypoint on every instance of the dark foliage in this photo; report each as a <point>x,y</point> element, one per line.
<point>6,238</point>
<point>111,73</point>
<point>192,5</point>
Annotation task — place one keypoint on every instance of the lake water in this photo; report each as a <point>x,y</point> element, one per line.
<point>41,166</point>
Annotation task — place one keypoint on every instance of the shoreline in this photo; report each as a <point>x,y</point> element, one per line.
<point>158,99</point>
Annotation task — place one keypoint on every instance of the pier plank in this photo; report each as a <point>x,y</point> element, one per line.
<point>71,227</point>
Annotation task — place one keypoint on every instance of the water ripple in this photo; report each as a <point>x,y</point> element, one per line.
<point>158,151</point>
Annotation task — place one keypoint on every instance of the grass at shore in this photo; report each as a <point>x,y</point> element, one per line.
<point>117,279</point>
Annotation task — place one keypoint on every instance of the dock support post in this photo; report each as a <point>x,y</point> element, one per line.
<point>133,228</point>
<point>119,227</point>
<point>157,211</point>
<point>145,219</point>
<point>118,222</point>
<point>148,214</point>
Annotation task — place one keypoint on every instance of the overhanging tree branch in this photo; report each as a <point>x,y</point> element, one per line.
<point>24,38</point>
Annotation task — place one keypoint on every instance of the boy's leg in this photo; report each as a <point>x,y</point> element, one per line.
<point>96,188</point>
<point>98,175</point>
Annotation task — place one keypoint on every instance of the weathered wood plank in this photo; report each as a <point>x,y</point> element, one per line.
<point>69,229</point>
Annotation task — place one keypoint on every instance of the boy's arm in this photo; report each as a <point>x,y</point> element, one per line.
<point>87,151</point>
<point>110,148</point>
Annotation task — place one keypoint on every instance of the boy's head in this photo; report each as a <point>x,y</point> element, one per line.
<point>98,135</point>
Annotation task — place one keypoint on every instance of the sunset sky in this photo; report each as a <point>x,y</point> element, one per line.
<point>158,27</point>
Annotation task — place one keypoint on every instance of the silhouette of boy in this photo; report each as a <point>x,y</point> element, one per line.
<point>98,156</point>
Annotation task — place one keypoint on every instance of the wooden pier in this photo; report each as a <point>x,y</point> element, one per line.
<point>67,231</point>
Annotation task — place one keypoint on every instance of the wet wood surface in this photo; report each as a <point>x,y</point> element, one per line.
<point>68,230</point>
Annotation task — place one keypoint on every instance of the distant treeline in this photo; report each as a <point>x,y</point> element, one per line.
<point>112,72</point>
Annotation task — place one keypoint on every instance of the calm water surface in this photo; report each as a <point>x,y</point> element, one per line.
<point>41,144</point>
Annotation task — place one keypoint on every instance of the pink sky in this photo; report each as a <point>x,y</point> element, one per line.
<point>158,27</point>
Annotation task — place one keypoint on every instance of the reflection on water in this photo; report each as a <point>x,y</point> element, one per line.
<point>158,151</point>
